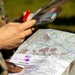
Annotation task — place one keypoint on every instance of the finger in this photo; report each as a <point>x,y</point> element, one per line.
<point>33,29</point>
<point>28,24</point>
<point>27,33</point>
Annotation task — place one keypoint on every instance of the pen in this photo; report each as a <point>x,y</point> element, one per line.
<point>26,15</point>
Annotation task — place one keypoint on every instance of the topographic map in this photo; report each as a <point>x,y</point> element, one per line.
<point>47,52</point>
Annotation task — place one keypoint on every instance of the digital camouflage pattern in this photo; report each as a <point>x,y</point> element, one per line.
<point>3,68</point>
<point>2,21</point>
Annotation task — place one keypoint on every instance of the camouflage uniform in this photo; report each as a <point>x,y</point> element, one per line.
<point>3,68</point>
<point>2,21</point>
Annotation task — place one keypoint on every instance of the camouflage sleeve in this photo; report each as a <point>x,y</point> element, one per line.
<point>3,68</point>
<point>2,17</point>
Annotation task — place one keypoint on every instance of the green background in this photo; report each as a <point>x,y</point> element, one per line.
<point>65,20</point>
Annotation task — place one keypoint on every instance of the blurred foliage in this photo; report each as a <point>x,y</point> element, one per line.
<point>65,20</point>
<point>15,8</point>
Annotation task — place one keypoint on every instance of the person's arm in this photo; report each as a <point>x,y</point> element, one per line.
<point>13,34</point>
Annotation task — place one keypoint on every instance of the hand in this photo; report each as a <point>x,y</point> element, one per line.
<point>12,68</point>
<point>13,34</point>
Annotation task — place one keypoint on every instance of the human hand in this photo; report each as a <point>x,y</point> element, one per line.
<point>13,34</point>
<point>12,68</point>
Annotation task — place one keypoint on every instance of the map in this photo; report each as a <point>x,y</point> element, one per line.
<point>47,52</point>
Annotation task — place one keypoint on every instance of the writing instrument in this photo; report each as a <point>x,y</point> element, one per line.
<point>26,16</point>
